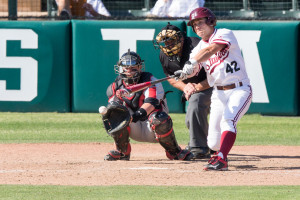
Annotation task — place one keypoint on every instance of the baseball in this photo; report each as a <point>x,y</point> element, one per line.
<point>102,110</point>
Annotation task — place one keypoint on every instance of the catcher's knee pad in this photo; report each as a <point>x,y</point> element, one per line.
<point>121,139</point>
<point>162,125</point>
<point>160,122</point>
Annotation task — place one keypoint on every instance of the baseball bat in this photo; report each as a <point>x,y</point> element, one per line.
<point>142,86</point>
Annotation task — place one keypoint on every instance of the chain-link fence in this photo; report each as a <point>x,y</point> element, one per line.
<point>142,9</point>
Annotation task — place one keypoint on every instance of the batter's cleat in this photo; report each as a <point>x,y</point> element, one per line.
<point>212,159</point>
<point>217,164</point>
<point>116,155</point>
<point>199,152</point>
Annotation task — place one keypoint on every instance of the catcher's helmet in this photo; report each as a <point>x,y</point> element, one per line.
<point>170,41</point>
<point>129,67</point>
<point>203,12</point>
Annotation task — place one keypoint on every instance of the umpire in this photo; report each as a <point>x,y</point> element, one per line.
<point>175,49</point>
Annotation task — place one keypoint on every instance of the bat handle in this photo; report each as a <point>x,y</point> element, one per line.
<point>175,76</point>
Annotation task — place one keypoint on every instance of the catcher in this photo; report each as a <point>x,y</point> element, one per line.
<point>141,116</point>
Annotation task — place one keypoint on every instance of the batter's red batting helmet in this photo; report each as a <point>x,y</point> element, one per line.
<point>203,12</point>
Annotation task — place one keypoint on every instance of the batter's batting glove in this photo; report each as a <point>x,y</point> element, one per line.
<point>190,69</point>
<point>180,75</point>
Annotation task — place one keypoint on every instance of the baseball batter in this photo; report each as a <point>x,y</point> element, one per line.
<point>219,54</point>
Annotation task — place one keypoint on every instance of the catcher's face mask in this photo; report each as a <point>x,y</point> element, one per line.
<point>130,67</point>
<point>170,42</point>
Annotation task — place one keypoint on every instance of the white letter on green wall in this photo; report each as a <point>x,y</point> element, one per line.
<point>27,65</point>
<point>127,37</point>
<point>248,40</point>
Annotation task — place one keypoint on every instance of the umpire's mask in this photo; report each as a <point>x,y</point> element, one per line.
<point>170,41</point>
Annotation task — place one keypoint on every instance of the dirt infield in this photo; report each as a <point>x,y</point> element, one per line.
<point>83,164</point>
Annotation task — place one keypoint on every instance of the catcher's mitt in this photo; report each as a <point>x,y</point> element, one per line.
<point>116,118</point>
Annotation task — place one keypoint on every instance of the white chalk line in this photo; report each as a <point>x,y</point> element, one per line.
<point>246,172</point>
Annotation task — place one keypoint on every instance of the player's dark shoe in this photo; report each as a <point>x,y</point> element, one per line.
<point>186,154</point>
<point>216,163</point>
<point>116,155</point>
<point>212,152</point>
<point>199,152</point>
<point>182,155</point>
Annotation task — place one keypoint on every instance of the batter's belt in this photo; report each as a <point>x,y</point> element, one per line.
<point>229,87</point>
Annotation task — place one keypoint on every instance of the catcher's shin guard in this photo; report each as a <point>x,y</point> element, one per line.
<point>122,144</point>
<point>162,125</point>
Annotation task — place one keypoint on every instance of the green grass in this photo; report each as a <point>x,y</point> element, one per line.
<point>87,127</point>
<point>51,127</point>
<point>10,192</point>
<point>267,130</point>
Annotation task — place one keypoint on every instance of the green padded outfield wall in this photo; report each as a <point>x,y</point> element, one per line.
<point>35,66</point>
<point>98,45</point>
<point>35,63</point>
<point>271,53</point>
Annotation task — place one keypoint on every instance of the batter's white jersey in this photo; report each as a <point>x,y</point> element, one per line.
<point>227,66</point>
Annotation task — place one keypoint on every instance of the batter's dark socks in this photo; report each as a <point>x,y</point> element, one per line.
<point>227,141</point>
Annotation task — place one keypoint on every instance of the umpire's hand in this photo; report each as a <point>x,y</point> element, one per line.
<point>188,90</point>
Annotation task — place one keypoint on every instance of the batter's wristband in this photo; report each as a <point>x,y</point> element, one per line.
<point>193,62</point>
<point>139,114</point>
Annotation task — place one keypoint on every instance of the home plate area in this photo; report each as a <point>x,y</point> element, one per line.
<point>83,164</point>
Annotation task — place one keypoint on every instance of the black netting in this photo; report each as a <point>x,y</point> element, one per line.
<point>140,9</point>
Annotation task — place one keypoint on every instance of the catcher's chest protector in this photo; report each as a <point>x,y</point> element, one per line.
<point>133,101</point>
